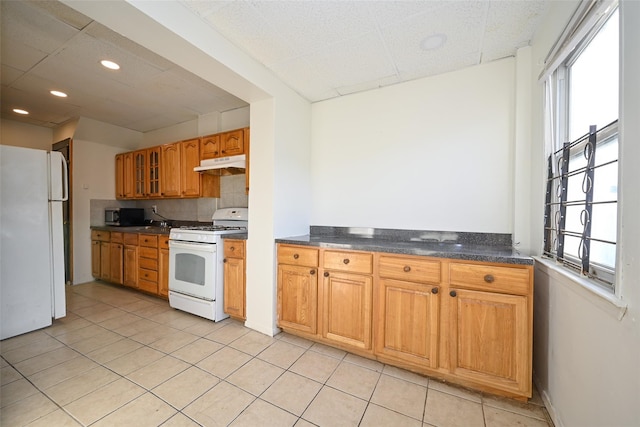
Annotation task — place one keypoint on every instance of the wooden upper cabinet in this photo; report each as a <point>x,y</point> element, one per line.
<point>170,170</point>
<point>139,173</point>
<point>153,172</point>
<point>232,143</point>
<point>119,176</point>
<point>209,147</point>
<point>190,158</point>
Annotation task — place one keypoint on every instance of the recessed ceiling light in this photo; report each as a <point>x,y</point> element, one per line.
<point>110,64</point>
<point>433,42</point>
<point>58,93</point>
<point>20,111</point>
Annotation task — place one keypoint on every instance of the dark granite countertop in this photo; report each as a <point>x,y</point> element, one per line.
<point>486,247</point>
<point>237,236</point>
<point>145,229</point>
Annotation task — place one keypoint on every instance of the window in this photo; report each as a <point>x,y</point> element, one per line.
<point>582,179</point>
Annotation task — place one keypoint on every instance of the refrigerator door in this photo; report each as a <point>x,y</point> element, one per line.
<point>58,192</point>
<point>25,248</point>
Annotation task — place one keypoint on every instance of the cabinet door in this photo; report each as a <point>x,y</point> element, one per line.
<point>153,172</point>
<point>131,266</point>
<point>346,308</point>
<point>140,173</point>
<point>209,147</point>
<point>170,170</point>
<point>408,321</point>
<point>232,143</point>
<point>190,158</point>
<point>120,176</point>
<point>490,342</point>
<point>105,260</point>
<point>117,272</point>
<point>298,298</point>
<point>95,258</point>
<point>234,287</point>
<point>128,167</point>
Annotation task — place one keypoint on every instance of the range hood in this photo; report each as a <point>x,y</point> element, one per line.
<point>230,162</point>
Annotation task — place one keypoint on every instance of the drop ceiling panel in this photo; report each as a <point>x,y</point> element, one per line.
<point>320,48</point>
<point>33,27</point>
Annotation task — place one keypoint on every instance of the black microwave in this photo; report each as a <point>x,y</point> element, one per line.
<point>124,217</point>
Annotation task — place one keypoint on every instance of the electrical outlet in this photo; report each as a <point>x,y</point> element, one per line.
<point>154,209</point>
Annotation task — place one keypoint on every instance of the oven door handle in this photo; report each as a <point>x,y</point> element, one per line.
<point>208,247</point>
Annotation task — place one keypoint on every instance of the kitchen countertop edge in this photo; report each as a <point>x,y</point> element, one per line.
<point>469,252</point>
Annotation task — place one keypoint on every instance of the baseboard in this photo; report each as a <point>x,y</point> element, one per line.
<point>547,404</point>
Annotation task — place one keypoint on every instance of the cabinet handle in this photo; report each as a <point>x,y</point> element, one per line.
<point>434,290</point>
<point>488,278</point>
<point>407,269</point>
<point>296,256</point>
<point>453,293</point>
<point>346,261</point>
<point>326,274</point>
<point>232,249</point>
<point>312,272</point>
<point>224,260</point>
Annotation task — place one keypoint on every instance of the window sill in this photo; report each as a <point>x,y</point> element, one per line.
<point>585,287</point>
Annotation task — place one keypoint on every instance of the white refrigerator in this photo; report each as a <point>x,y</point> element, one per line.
<point>33,185</point>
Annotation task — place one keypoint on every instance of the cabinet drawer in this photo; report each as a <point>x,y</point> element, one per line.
<point>148,252</point>
<point>116,237</point>
<point>510,280</point>
<point>148,275</point>
<point>163,242</point>
<point>149,240</point>
<point>102,236</point>
<point>354,262</point>
<point>150,264</point>
<point>296,255</point>
<point>234,248</point>
<point>411,269</point>
<point>148,286</point>
<point>130,239</point>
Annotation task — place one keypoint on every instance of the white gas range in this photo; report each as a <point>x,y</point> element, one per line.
<point>195,263</point>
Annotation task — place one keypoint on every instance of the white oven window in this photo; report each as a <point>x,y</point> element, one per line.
<point>190,268</point>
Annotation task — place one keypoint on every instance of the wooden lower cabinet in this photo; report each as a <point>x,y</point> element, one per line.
<point>163,266</point>
<point>139,261</point>
<point>298,298</point>
<point>234,278</point>
<point>466,322</point>
<point>148,263</point>
<point>347,303</point>
<point>408,316</point>
<point>130,267</point>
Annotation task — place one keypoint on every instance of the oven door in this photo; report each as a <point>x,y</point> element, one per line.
<point>192,269</point>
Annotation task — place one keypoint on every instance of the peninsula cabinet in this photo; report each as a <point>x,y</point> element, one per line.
<point>468,322</point>
<point>234,278</point>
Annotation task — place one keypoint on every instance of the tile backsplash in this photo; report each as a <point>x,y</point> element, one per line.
<point>232,194</point>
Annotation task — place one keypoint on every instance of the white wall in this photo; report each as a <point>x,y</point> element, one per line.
<point>25,135</point>
<point>93,178</point>
<point>432,154</point>
<point>586,347</point>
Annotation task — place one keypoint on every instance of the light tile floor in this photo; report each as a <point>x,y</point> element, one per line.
<point>124,358</point>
